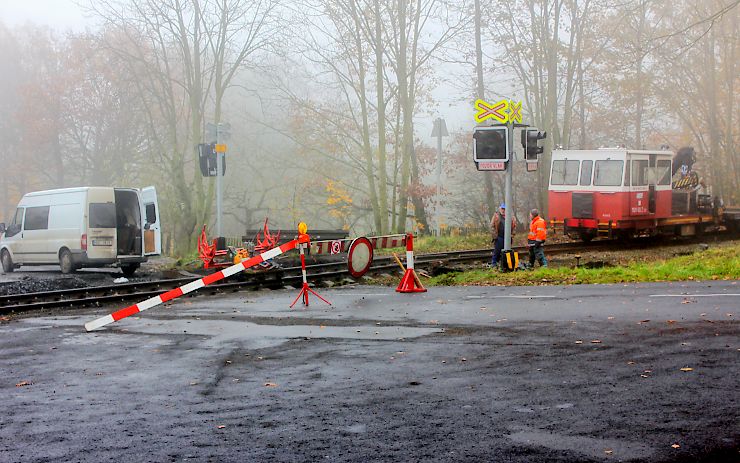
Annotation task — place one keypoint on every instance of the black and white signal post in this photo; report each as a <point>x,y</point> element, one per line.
<point>493,146</point>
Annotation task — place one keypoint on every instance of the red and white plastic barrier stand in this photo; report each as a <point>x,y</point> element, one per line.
<point>305,289</point>
<point>410,282</point>
<point>197,284</point>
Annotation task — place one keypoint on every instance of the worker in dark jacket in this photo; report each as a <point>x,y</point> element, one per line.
<point>498,224</point>
<point>536,238</point>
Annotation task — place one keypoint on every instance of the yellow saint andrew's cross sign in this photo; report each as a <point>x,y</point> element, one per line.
<point>502,111</point>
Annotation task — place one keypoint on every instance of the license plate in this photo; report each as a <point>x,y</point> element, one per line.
<point>102,242</point>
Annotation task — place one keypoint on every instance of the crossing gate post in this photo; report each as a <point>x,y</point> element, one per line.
<point>303,243</point>
<point>410,282</point>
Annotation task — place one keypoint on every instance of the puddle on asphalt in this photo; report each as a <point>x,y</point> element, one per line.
<point>591,446</point>
<point>216,333</point>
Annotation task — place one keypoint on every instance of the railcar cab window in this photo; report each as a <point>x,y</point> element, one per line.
<point>102,215</point>
<point>586,171</point>
<point>664,172</point>
<point>37,218</point>
<point>608,173</point>
<point>640,172</point>
<point>564,172</point>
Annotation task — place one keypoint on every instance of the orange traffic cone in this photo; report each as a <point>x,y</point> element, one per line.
<point>410,282</point>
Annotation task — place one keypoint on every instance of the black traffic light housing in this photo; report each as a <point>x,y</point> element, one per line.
<point>208,160</point>
<point>530,140</point>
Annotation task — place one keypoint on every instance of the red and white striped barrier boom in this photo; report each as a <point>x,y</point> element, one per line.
<point>338,246</point>
<point>193,285</point>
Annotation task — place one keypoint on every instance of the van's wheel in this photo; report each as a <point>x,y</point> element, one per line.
<point>7,262</point>
<point>65,261</point>
<point>129,269</point>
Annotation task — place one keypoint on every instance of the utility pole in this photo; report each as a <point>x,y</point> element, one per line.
<point>439,131</point>
<point>507,190</point>
<point>219,133</point>
<point>219,173</point>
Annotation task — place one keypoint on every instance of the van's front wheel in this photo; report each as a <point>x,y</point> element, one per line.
<point>65,261</point>
<point>7,262</point>
<point>129,269</point>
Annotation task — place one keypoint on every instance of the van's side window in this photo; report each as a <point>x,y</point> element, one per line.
<point>102,215</point>
<point>151,213</point>
<point>37,218</point>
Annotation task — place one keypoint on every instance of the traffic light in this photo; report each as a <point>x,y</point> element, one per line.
<point>207,159</point>
<point>491,144</point>
<point>530,140</point>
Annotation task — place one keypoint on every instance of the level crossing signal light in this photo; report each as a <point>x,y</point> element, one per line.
<point>530,143</point>
<point>491,147</point>
<point>208,160</point>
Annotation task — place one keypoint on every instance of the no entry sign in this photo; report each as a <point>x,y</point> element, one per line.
<point>360,257</point>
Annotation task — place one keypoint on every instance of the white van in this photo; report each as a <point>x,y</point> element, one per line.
<point>83,227</point>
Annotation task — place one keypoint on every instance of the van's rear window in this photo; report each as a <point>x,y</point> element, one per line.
<point>102,215</point>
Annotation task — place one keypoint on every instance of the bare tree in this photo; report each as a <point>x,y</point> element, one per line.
<point>184,55</point>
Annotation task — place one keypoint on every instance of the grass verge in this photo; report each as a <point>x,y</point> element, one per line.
<point>722,263</point>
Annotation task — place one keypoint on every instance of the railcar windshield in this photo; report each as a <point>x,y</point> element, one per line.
<point>564,172</point>
<point>608,173</point>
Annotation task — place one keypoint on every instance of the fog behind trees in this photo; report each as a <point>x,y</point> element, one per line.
<point>330,102</point>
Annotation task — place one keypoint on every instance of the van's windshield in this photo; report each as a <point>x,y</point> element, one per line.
<point>102,215</point>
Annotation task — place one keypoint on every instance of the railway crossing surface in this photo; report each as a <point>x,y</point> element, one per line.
<point>644,372</point>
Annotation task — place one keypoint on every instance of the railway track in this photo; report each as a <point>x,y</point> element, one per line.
<point>275,278</point>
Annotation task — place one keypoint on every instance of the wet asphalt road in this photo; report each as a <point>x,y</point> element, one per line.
<point>555,374</point>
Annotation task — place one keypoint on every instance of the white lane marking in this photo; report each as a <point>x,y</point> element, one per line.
<point>525,297</point>
<point>695,295</point>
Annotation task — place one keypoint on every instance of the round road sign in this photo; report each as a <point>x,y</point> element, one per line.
<point>360,256</point>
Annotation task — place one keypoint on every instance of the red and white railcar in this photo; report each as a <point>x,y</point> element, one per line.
<point>621,192</point>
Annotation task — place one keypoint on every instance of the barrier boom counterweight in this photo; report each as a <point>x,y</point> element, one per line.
<point>193,285</point>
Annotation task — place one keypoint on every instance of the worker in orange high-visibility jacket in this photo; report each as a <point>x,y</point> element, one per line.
<point>536,238</point>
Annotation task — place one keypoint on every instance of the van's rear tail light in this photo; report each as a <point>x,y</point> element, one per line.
<point>83,242</point>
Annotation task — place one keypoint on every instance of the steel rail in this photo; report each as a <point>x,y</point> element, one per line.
<point>274,278</point>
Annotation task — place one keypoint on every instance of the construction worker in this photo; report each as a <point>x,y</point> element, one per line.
<point>536,238</point>
<point>497,232</point>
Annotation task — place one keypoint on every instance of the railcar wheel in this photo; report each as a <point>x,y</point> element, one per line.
<point>586,237</point>
<point>129,269</point>
<point>65,261</point>
<point>7,262</point>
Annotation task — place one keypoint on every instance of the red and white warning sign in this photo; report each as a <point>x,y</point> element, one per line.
<point>360,257</point>
<point>336,247</point>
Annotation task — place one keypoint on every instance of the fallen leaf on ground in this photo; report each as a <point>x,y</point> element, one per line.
<point>687,369</point>
<point>596,341</point>
<point>644,321</point>
<point>670,321</point>
<point>608,451</point>
<point>270,385</point>
<point>610,318</point>
<point>630,363</point>
<point>23,383</point>
<point>579,342</point>
<point>221,426</point>
<point>676,446</point>
<point>645,376</point>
